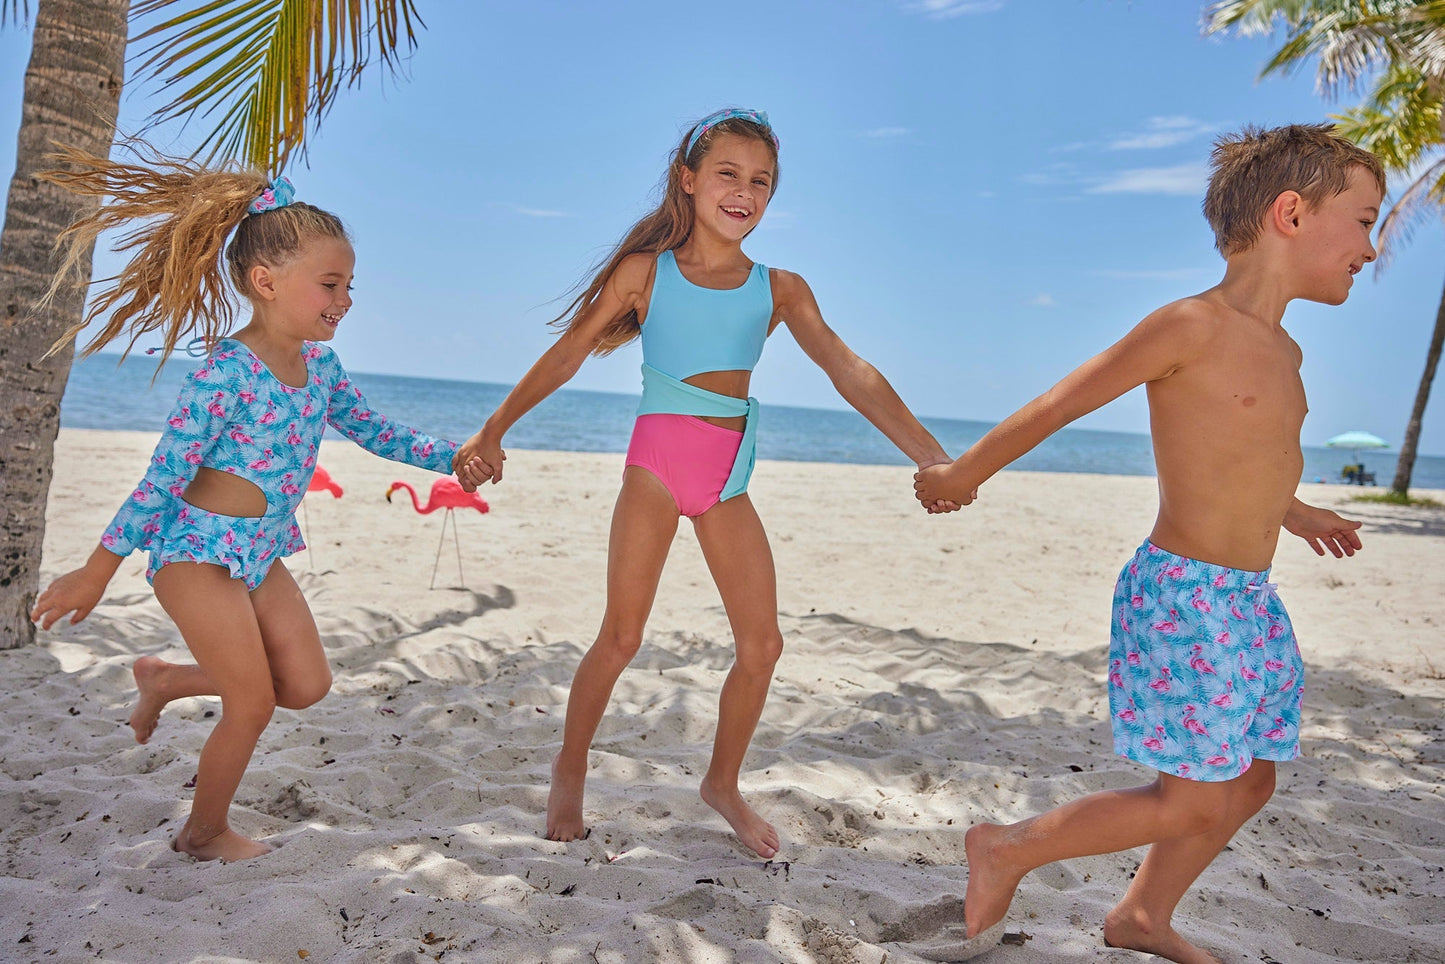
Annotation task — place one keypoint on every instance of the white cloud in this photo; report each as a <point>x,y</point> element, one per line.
<point>1180,179</point>
<point>887,132</point>
<point>1162,132</point>
<point>539,212</point>
<point>948,9</point>
<point>1042,300</point>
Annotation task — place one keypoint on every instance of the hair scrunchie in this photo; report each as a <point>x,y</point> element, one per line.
<point>281,193</point>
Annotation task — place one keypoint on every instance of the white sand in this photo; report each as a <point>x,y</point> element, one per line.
<point>938,672</point>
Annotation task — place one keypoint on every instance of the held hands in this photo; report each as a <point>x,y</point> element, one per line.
<point>937,486</point>
<point>479,460</point>
<point>1323,529</point>
<point>77,591</point>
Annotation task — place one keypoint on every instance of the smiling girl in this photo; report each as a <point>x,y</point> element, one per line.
<point>679,280</point>
<point>216,509</point>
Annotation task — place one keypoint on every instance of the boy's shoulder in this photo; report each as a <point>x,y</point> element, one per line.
<point>1195,318</point>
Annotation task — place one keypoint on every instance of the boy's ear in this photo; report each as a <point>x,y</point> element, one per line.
<point>263,282</point>
<point>1285,212</point>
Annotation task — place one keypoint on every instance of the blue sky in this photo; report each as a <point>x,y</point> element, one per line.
<point>981,194</point>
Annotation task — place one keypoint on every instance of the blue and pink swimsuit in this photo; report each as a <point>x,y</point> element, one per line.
<point>234,416</point>
<point>690,330</point>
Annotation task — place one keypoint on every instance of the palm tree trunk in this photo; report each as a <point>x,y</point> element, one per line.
<point>72,94</point>
<point>1411,442</point>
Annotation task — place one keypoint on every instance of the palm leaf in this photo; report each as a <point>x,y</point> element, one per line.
<point>267,70</point>
<point>17,10</point>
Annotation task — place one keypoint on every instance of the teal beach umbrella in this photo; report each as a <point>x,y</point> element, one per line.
<point>1354,441</point>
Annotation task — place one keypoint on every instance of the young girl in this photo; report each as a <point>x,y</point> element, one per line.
<point>216,507</point>
<point>680,280</point>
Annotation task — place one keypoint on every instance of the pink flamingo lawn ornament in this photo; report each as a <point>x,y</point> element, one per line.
<point>446,493</point>
<point>321,481</point>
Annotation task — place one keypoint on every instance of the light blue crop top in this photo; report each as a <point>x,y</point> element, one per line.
<point>691,329</point>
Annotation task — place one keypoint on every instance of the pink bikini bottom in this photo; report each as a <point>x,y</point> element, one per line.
<point>691,457</point>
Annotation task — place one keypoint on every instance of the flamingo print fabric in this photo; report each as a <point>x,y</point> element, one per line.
<point>234,416</point>
<point>1204,672</point>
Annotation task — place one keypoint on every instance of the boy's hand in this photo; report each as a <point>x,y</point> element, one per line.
<point>937,485</point>
<point>77,591</point>
<point>478,460</point>
<point>1323,529</point>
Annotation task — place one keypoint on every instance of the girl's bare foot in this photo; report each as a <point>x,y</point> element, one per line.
<point>1133,928</point>
<point>224,846</point>
<point>564,802</point>
<point>992,880</point>
<point>755,833</point>
<point>149,672</point>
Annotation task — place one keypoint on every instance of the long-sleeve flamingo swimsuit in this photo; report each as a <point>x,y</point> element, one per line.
<point>234,416</point>
<point>1204,673</point>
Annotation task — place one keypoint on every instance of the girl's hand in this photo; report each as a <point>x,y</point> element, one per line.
<point>936,487</point>
<point>479,460</point>
<point>77,591</point>
<point>941,505</point>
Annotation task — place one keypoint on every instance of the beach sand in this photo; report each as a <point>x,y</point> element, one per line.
<point>937,672</point>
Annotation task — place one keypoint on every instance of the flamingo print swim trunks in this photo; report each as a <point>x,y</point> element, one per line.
<point>1204,672</point>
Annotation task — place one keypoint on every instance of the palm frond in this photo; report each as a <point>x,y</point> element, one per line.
<point>1350,38</point>
<point>1418,204</point>
<point>17,10</point>
<point>270,69</point>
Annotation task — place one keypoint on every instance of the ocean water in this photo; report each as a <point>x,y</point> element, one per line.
<point>104,395</point>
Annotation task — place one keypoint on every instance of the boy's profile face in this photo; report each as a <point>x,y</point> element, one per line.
<point>1335,238</point>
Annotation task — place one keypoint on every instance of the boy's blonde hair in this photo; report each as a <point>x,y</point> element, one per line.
<point>1254,166</point>
<point>175,281</point>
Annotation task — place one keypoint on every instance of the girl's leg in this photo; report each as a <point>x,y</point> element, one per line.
<point>737,553</point>
<point>216,619</point>
<point>299,670</point>
<point>643,524</point>
<point>158,682</point>
<point>300,675</point>
<point>1142,920</point>
<point>1100,823</point>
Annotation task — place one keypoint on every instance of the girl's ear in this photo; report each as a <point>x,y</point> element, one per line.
<point>687,180</point>
<point>263,282</point>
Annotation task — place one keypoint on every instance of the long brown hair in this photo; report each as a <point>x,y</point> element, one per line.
<point>175,283</point>
<point>667,227</point>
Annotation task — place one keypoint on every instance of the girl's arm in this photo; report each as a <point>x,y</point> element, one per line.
<point>348,411</point>
<point>1156,347</point>
<point>860,384</point>
<point>202,411</point>
<point>480,458</point>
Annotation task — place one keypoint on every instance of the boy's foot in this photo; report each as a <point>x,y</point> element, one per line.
<point>1132,929</point>
<point>564,803</point>
<point>991,879</point>
<point>224,846</point>
<point>149,672</point>
<point>755,833</point>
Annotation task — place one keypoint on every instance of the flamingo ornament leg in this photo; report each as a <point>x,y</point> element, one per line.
<point>446,493</point>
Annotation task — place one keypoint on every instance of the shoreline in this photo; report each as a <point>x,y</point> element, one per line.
<point>937,672</point>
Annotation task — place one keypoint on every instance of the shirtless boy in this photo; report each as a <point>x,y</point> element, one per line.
<point>1205,678</point>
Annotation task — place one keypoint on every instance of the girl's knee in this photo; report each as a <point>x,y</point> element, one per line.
<point>252,712</point>
<point>618,647</point>
<point>760,655</point>
<point>298,696</point>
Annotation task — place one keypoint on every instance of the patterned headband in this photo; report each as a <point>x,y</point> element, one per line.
<point>759,117</point>
<point>281,193</point>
